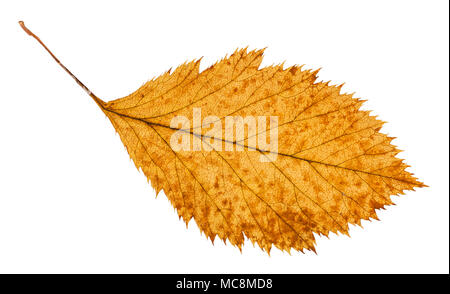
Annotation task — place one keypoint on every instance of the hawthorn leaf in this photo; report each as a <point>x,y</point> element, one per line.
<point>331,166</point>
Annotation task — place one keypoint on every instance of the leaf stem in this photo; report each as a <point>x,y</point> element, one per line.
<point>86,89</point>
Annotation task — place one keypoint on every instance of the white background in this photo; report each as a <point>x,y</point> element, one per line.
<point>71,201</point>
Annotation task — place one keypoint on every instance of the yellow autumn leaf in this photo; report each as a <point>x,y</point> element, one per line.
<point>268,153</point>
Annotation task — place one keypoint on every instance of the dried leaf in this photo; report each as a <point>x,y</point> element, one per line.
<point>332,166</point>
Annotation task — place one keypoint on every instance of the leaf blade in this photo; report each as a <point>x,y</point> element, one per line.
<point>334,167</point>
